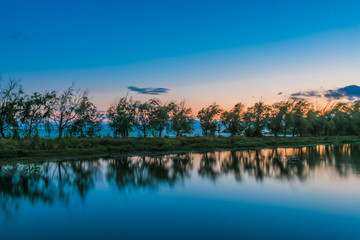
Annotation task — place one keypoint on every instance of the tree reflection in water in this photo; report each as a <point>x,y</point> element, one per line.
<point>147,172</point>
<point>62,181</point>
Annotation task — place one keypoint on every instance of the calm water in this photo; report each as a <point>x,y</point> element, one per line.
<point>292,193</point>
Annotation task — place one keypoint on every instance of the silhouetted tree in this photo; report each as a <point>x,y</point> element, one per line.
<point>88,120</point>
<point>182,122</point>
<point>65,107</point>
<point>142,119</point>
<point>277,118</point>
<point>297,122</point>
<point>160,115</point>
<point>122,116</point>
<point>209,125</point>
<point>11,98</point>
<point>255,119</point>
<point>36,111</point>
<point>232,120</point>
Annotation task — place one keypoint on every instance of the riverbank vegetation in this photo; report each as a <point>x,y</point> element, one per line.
<point>70,113</point>
<point>72,147</point>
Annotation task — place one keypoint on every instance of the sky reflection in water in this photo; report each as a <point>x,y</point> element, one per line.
<point>284,193</point>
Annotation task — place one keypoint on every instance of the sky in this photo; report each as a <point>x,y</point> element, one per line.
<point>197,51</point>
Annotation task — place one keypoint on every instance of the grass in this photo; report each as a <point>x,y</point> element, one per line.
<point>73,147</point>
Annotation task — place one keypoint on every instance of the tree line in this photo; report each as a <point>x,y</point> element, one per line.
<point>71,113</point>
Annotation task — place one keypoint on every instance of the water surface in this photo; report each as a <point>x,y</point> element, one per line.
<point>288,193</point>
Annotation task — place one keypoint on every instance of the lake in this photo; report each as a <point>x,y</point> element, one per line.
<point>284,193</point>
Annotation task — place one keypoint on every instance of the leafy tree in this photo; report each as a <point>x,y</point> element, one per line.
<point>160,115</point>
<point>11,98</point>
<point>209,124</point>
<point>341,118</point>
<point>255,119</point>
<point>355,119</point>
<point>122,117</point>
<point>88,120</point>
<point>315,123</point>
<point>288,118</point>
<point>232,120</point>
<point>279,113</point>
<point>182,122</point>
<point>36,110</point>
<point>297,122</point>
<point>142,119</point>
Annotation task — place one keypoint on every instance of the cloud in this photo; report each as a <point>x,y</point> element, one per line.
<point>296,98</point>
<point>350,92</point>
<point>150,91</point>
<point>302,95</point>
<point>19,37</point>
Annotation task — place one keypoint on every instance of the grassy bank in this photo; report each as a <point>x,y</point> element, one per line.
<point>72,147</point>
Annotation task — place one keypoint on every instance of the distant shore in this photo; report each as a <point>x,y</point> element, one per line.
<point>28,150</point>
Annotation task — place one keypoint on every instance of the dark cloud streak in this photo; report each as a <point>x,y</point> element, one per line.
<point>302,95</point>
<point>150,91</point>
<point>351,93</point>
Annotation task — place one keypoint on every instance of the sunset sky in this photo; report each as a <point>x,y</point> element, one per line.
<point>200,51</point>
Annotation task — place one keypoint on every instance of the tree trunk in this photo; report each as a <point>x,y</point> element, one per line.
<point>60,132</point>
<point>2,130</point>
<point>30,130</point>
<point>144,131</point>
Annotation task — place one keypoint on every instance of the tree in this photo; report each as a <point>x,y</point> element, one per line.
<point>142,120</point>
<point>315,123</point>
<point>342,118</point>
<point>159,115</point>
<point>287,108</point>
<point>11,98</point>
<point>182,122</point>
<point>121,116</point>
<point>65,107</point>
<point>88,120</point>
<point>255,119</point>
<point>355,119</point>
<point>36,110</point>
<point>209,124</point>
<point>232,119</point>
<point>297,122</point>
<point>277,118</point>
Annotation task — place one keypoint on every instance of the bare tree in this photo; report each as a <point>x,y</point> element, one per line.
<point>11,98</point>
<point>65,107</point>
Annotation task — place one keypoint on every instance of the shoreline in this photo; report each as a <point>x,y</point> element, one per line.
<point>72,149</point>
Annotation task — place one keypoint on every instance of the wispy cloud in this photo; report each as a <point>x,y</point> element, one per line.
<point>150,91</point>
<point>349,93</point>
<point>19,37</point>
<point>303,95</point>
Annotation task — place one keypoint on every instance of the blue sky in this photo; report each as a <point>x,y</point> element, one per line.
<point>201,50</point>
